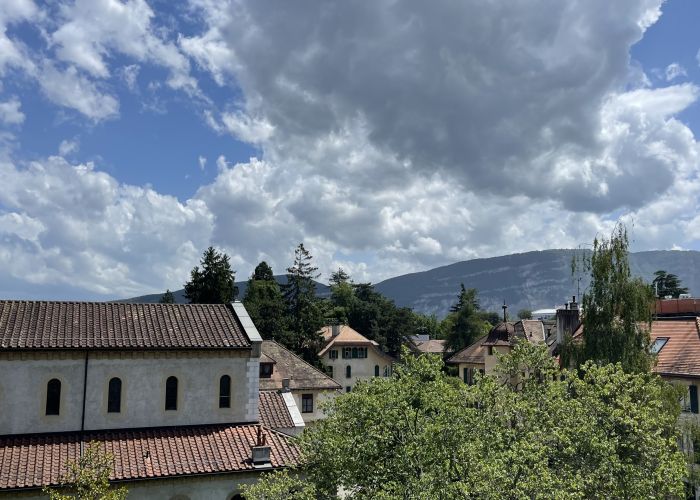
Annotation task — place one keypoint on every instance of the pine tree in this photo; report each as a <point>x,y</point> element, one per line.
<point>616,309</point>
<point>464,324</point>
<point>304,313</point>
<point>167,298</point>
<point>214,283</point>
<point>263,301</point>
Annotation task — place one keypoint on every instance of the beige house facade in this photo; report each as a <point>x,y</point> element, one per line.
<point>350,357</point>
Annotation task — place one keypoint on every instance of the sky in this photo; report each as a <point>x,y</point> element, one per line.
<point>388,136</point>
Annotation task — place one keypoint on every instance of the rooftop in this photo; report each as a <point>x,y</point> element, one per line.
<point>274,412</point>
<point>680,355</point>
<point>115,325</point>
<point>288,365</point>
<point>35,461</point>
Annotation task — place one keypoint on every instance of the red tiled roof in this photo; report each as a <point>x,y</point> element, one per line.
<point>273,410</point>
<point>113,325</point>
<point>34,461</point>
<point>681,354</point>
<point>288,365</point>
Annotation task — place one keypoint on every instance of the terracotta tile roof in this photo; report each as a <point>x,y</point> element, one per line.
<point>273,411</point>
<point>34,461</point>
<point>501,334</point>
<point>471,354</point>
<point>112,325</point>
<point>348,337</point>
<point>681,353</point>
<point>531,329</point>
<point>301,374</point>
<point>432,346</point>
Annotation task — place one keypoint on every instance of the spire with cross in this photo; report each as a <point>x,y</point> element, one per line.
<point>505,316</point>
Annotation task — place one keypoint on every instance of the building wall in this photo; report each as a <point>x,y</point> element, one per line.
<point>465,366</point>
<point>490,361</point>
<point>23,380</point>
<point>319,397</point>
<point>361,368</point>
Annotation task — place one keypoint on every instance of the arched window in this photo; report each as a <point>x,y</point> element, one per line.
<point>225,392</point>
<point>171,393</point>
<point>114,395</point>
<point>376,370</point>
<point>53,397</point>
<point>348,371</point>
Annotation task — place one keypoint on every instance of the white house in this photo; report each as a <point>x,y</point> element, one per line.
<point>172,391</point>
<point>350,356</point>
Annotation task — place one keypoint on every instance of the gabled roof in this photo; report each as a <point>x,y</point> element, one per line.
<point>274,412</point>
<point>116,325</point>
<point>531,329</point>
<point>473,353</point>
<point>288,365</point>
<point>348,337</point>
<point>35,461</point>
<point>431,346</point>
<point>680,356</point>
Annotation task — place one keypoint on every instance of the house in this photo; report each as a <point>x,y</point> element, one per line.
<point>481,355</point>
<point>170,390</point>
<point>282,370</point>
<point>350,356</point>
<point>423,344</point>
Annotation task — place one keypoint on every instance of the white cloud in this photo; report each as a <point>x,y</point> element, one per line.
<point>68,147</point>
<point>71,89</point>
<point>10,112</point>
<point>202,162</point>
<point>673,71</point>
<point>12,52</point>
<point>72,225</point>
<point>130,74</point>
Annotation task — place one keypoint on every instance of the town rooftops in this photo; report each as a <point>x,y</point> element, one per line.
<point>343,335</point>
<point>288,365</point>
<point>679,355</point>
<point>274,412</point>
<point>430,346</point>
<point>473,353</point>
<point>38,460</point>
<point>113,325</point>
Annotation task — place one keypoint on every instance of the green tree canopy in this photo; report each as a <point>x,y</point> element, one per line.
<point>88,478</point>
<point>464,325</point>
<point>524,314</point>
<point>214,283</point>
<point>304,313</point>
<point>264,302</point>
<point>667,284</point>
<point>167,298</point>
<point>616,309</point>
<point>551,434</point>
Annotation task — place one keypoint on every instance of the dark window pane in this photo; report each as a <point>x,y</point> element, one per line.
<point>376,370</point>
<point>225,392</point>
<point>171,393</point>
<point>266,370</point>
<point>307,403</point>
<point>114,396</point>
<point>348,371</point>
<point>53,397</point>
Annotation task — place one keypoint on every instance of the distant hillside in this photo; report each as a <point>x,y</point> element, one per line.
<point>531,280</point>
<point>321,290</point>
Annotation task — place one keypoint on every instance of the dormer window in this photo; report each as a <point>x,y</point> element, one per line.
<point>266,370</point>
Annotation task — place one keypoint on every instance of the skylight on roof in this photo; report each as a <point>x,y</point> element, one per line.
<point>658,344</point>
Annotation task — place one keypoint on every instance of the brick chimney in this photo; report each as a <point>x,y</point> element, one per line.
<point>567,319</point>
<point>261,450</point>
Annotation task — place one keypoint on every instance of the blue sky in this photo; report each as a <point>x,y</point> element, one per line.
<point>390,138</point>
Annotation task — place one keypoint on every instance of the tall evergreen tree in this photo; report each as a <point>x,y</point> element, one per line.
<point>214,283</point>
<point>667,284</point>
<point>616,309</point>
<point>464,323</point>
<point>167,298</point>
<point>304,313</point>
<point>263,301</point>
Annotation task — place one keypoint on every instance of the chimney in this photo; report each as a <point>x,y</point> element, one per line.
<point>567,319</point>
<point>261,450</point>
<point>335,330</point>
<point>285,385</point>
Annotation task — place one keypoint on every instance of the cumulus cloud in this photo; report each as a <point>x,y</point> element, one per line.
<point>673,71</point>
<point>73,225</point>
<point>68,147</point>
<point>10,112</point>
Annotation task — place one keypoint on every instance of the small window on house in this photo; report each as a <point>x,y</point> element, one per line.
<point>658,344</point>
<point>329,371</point>
<point>348,371</point>
<point>307,403</point>
<point>171,393</point>
<point>348,388</point>
<point>689,400</point>
<point>225,392</point>
<point>114,395</point>
<point>490,349</point>
<point>53,397</point>
<point>334,354</point>
<point>266,370</point>
<point>387,370</point>
<point>376,370</point>
<point>362,352</point>
<point>354,352</point>
<point>347,352</point>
